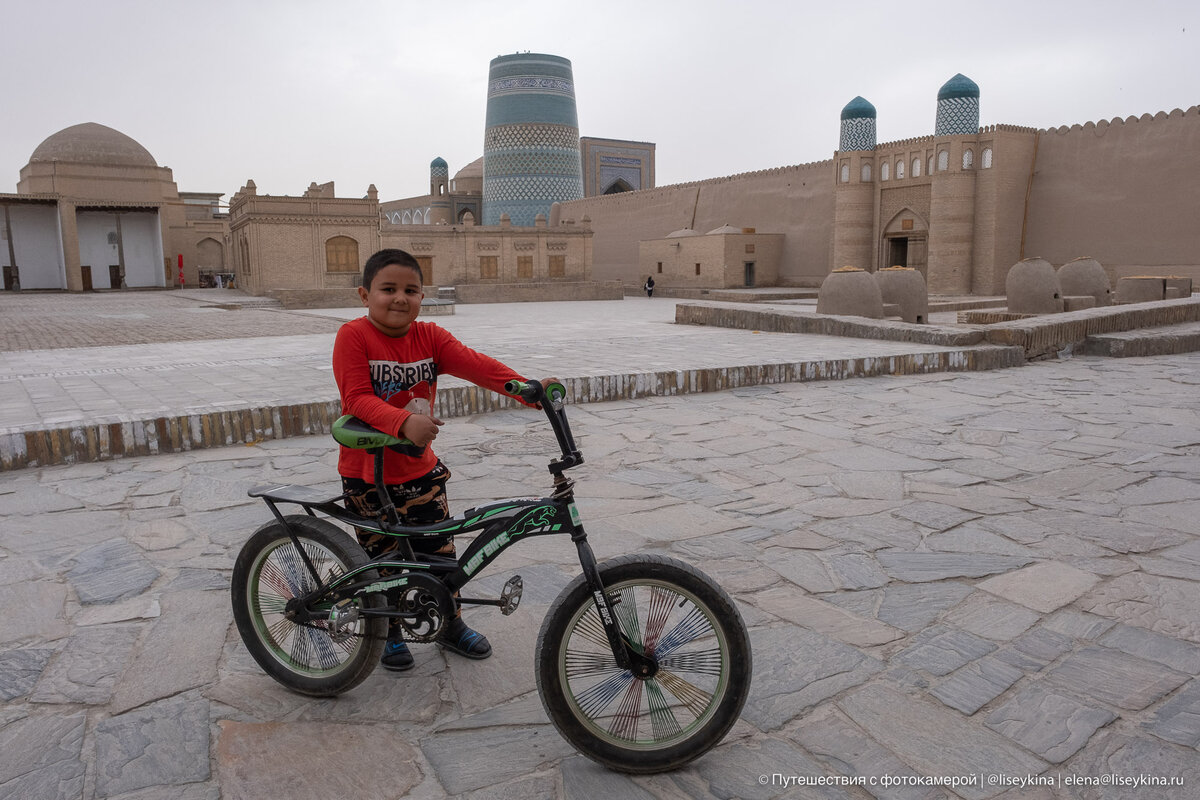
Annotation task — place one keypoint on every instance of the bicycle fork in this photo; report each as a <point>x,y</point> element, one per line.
<point>624,651</point>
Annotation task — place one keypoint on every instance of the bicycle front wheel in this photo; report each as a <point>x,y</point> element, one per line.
<point>675,615</point>
<point>307,658</point>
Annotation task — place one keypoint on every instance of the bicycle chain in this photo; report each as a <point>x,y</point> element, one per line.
<point>406,638</point>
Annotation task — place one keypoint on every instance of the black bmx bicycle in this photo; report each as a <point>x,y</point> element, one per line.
<point>643,662</point>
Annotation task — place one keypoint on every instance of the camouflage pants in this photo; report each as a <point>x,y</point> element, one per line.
<point>421,501</point>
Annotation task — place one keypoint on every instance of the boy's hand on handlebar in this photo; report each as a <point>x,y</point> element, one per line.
<point>420,429</point>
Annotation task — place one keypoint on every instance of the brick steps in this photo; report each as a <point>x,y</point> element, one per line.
<point>1161,341</point>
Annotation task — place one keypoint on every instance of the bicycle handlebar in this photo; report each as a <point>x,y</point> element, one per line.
<point>552,399</point>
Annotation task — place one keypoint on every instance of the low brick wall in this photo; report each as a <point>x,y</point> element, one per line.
<point>1047,335</point>
<point>173,434</point>
<point>748,317</point>
<point>538,292</point>
<point>345,297</point>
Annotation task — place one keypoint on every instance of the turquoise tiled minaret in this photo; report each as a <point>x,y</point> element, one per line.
<point>957,107</point>
<point>531,141</point>
<point>858,126</point>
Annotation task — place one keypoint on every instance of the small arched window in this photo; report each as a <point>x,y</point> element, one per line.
<point>866,172</point>
<point>884,171</point>
<point>916,167</point>
<point>930,170</point>
<point>943,160</point>
<point>900,169</point>
<point>968,159</point>
<point>406,218</point>
<point>845,173</point>
<point>987,158</point>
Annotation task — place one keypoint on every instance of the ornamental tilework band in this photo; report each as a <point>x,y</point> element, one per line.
<point>499,137</point>
<point>957,116</point>
<point>858,134</point>
<point>530,83</point>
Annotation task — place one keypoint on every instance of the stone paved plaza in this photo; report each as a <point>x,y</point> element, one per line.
<point>992,577</point>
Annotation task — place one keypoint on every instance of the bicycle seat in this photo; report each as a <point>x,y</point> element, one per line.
<point>350,431</point>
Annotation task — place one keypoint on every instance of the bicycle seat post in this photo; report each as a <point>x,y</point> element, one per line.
<point>386,506</point>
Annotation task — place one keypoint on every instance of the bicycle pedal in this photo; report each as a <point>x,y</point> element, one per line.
<point>510,595</point>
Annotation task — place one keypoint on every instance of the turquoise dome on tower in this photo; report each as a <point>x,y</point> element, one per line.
<point>858,126</point>
<point>959,86</point>
<point>957,107</point>
<point>439,163</point>
<point>858,108</point>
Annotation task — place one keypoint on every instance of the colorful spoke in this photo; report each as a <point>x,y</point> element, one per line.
<point>599,697</point>
<point>662,718</point>
<point>282,576</point>
<point>625,722</point>
<point>707,662</point>
<point>695,699</point>
<point>689,629</point>
<point>579,664</point>
<point>592,630</point>
<point>627,616</point>
<point>661,601</point>
<point>684,643</point>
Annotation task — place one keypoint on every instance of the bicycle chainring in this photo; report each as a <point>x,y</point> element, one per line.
<point>424,606</point>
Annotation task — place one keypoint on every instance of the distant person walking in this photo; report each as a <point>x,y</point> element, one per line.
<point>648,286</point>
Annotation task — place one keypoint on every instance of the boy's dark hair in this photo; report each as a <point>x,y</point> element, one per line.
<point>386,257</point>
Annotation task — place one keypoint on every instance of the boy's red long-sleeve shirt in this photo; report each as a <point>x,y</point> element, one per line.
<point>379,375</point>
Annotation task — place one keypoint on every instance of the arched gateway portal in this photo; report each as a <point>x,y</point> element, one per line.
<point>905,242</point>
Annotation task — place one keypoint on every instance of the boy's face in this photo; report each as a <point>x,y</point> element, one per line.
<point>394,299</point>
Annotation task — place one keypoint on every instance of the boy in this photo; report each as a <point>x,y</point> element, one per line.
<point>386,365</point>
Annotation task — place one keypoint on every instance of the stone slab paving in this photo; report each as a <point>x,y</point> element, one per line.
<point>916,616</point>
<point>146,359</point>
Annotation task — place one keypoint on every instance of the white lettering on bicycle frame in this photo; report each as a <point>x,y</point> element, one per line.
<point>600,604</point>
<point>489,549</point>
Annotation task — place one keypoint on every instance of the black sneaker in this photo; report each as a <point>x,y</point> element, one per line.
<point>458,638</point>
<point>396,656</point>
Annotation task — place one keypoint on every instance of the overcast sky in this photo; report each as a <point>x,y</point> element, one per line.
<point>290,92</point>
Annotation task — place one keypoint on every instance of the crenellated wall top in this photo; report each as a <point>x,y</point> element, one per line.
<point>1193,112</point>
<point>657,191</point>
<point>905,142</point>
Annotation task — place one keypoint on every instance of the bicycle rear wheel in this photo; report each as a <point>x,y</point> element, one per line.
<point>268,573</point>
<point>674,614</point>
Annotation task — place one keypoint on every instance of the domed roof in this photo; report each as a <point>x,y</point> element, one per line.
<point>725,229</point>
<point>92,143</point>
<point>958,86</point>
<point>858,108</point>
<point>439,162</point>
<point>682,232</point>
<point>472,170</point>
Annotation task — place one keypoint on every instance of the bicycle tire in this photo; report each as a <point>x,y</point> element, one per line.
<point>693,629</point>
<point>268,572</point>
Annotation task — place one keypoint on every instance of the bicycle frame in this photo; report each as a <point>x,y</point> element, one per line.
<point>501,524</point>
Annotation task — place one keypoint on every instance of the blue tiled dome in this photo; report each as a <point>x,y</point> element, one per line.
<point>439,163</point>
<point>860,108</point>
<point>958,86</point>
